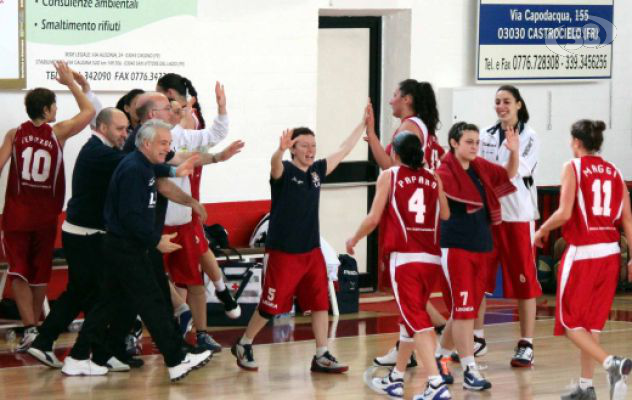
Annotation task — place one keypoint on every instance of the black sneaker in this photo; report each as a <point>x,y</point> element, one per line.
<point>444,371</point>
<point>233,311</point>
<point>328,363</point>
<point>480,346</point>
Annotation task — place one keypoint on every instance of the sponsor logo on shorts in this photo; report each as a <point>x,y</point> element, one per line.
<point>464,309</point>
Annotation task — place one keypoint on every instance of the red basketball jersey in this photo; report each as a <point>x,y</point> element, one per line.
<point>598,203</point>
<point>410,221</point>
<point>429,142</point>
<point>36,184</point>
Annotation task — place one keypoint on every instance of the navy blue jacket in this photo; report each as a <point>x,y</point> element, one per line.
<point>130,206</point>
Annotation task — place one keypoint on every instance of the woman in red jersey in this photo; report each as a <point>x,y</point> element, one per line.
<point>594,205</point>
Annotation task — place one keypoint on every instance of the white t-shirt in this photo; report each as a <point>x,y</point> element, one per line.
<point>192,140</point>
<point>521,205</point>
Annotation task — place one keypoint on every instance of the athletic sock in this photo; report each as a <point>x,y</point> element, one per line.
<point>479,333</point>
<point>467,362</point>
<point>528,339</point>
<point>181,308</point>
<point>607,362</point>
<point>320,351</point>
<point>395,374</point>
<point>585,383</point>
<point>435,380</point>
<point>220,286</point>
<point>244,341</point>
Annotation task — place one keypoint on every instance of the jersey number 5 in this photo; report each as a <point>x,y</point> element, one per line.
<point>416,205</point>
<point>599,208</point>
<point>39,169</point>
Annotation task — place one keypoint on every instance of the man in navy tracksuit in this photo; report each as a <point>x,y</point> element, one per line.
<point>130,221</point>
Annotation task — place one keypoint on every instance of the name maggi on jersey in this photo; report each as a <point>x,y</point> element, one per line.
<point>34,139</point>
<point>416,180</point>
<point>599,169</point>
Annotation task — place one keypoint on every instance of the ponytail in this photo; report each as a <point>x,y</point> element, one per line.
<point>183,87</point>
<point>192,92</point>
<point>424,102</point>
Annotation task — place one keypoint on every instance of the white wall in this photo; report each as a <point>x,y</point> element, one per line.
<point>266,54</point>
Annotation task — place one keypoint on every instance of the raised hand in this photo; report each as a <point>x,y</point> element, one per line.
<point>540,237</point>
<point>286,140</point>
<point>232,149</point>
<point>369,121</point>
<point>64,73</point>
<point>512,139</point>
<point>81,81</point>
<point>220,98</point>
<point>186,168</point>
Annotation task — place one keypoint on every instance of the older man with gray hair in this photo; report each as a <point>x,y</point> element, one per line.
<point>130,212</point>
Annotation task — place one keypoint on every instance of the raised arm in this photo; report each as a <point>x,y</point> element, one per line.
<point>94,100</point>
<point>224,155</point>
<point>70,127</point>
<point>512,142</point>
<point>345,148</point>
<point>565,209</point>
<point>276,162</point>
<point>382,159</point>
<point>375,214</point>
<point>5,149</point>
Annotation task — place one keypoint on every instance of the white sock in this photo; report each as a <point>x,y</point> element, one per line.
<point>467,362</point>
<point>181,308</point>
<point>245,340</point>
<point>435,380</point>
<point>527,339</point>
<point>220,286</point>
<point>608,361</point>
<point>585,383</point>
<point>320,351</point>
<point>395,374</point>
<point>479,333</point>
<point>441,352</point>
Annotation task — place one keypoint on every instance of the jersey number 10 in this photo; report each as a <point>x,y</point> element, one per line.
<point>601,209</point>
<point>35,171</point>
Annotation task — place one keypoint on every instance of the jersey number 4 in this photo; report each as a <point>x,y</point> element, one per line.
<point>39,169</point>
<point>416,205</point>
<point>601,209</point>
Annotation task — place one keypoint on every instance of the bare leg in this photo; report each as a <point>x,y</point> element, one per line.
<point>320,323</point>
<point>435,316</point>
<point>588,344</point>
<point>176,299</point>
<point>256,323</point>
<point>588,364</point>
<point>479,323</point>
<point>425,344</point>
<point>24,300</point>
<point>210,266</point>
<point>526,311</point>
<point>197,301</point>
<point>403,354</point>
<point>39,294</point>
<point>447,339</point>
<point>462,331</point>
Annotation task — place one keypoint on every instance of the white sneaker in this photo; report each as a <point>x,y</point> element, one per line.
<point>74,367</point>
<point>116,365</point>
<point>387,360</point>
<point>191,361</point>
<point>29,337</point>
<point>45,357</point>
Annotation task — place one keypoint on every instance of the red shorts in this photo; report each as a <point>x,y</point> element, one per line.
<point>587,279</point>
<point>30,254</point>
<point>414,276</point>
<point>183,265</point>
<point>514,250</point>
<point>303,275</point>
<point>465,272</point>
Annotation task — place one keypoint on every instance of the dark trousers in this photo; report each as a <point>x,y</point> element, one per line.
<point>85,276</point>
<point>131,283</point>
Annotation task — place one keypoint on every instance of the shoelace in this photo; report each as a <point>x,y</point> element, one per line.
<point>248,353</point>
<point>521,352</point>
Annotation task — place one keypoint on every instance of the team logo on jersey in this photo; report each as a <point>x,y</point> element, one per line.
<point>298,181</point>
<point>152,181</point>
<point>315,179</point>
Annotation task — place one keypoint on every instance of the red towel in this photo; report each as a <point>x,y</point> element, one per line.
<point>458,185</point>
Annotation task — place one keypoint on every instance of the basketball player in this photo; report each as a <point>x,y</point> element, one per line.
<point>408,203</point>
<point>473,186</point>
<point>295,264</point>
<point>35,194</point>
<point>414,103</point>
<point>594,203</point>
<point>513,238</point>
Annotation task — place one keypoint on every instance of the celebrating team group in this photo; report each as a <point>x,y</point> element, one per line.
<point>447,221</point>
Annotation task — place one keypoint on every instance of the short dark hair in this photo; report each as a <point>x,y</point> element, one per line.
<point>590,133</point>
<point>37,100</point>
<point>143,110</point>
<point>456,132</point>
<point>523,113</point>
<point>105,116</point>
<point>302,130</point>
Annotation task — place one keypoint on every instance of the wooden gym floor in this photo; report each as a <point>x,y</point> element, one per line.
<point>285,356</point>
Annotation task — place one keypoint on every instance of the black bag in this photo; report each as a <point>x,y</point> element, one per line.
<point>244,279</point>
<point>217,237</point>
<point>348,295</point>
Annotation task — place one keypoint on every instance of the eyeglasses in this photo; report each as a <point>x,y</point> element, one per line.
<point>167,108</point>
